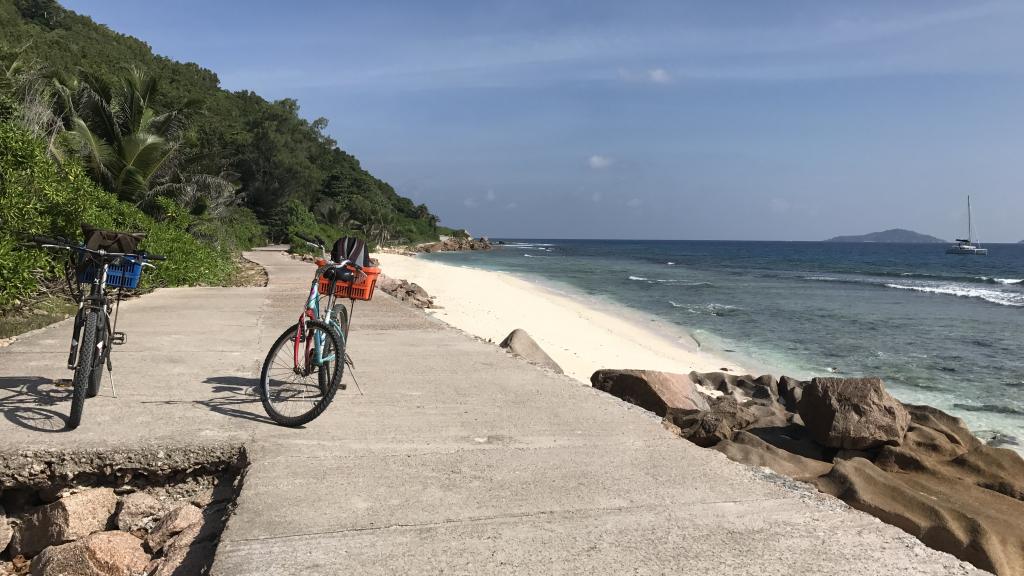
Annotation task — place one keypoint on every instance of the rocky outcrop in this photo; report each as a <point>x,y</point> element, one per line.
<point>751,449</point>
<point>138,510</point>
<point>405,291</point>
<point>102,554</point>
<point>707,428</point>
<point>6,531</point>
<point>456,245</point>
<point>519,343</point>
<point>188,553</point>
<point>655,391</point>
<point>65,520</point>
<point>172,524</point>
<point>852,413</point>
<point>934,479</point>
<point>980,526</point>
<point>179,498</point>
<point>790,392</point>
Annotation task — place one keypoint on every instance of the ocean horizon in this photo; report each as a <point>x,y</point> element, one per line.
<point>939,329</point>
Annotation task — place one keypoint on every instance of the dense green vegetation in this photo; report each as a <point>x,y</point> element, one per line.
<point>42,197</point>
<point>280,161</point>
<point>96,128</point>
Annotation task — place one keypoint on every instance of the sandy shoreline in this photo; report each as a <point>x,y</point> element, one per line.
<point>580,336</point>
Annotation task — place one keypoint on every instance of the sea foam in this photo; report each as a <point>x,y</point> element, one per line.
<point>995,296</point>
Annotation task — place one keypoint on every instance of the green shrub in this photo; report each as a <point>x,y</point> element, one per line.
<point>38,197</point>
<point>239,229</point>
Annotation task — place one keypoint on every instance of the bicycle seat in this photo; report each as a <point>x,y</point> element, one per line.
<point>339,274</point>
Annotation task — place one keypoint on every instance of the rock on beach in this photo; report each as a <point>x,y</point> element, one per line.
<point>521,344</point>
<point>914,467</point>
<point>852,413</point>
<point>652,390</point>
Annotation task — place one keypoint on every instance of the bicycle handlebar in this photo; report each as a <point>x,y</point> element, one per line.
<point>62,243</point>
<point>47,240</point>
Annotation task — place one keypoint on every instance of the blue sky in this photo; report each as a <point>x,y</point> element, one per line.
<point>691,120</point>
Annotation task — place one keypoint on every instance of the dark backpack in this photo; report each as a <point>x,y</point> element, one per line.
<point>111,241</point>
<point>350,248</point>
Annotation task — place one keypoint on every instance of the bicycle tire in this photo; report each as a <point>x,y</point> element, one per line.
<point>96,378</point>
<point>323,377</point>
<point>83,373</point>
<point>339,313</point>
<point>287,339</point>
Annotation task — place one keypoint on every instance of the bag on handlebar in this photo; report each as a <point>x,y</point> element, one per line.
<point>111,241</point>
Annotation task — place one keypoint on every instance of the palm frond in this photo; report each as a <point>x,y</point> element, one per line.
<point>173,123</point>
<point>96,152</point>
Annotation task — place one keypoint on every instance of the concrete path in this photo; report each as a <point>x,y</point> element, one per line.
<point>450,457</point>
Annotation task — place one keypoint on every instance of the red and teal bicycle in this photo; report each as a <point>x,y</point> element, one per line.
<point>303,370</point>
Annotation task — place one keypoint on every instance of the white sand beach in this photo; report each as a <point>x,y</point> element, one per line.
<point>581,335</point>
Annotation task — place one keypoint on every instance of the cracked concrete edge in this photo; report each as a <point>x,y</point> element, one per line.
<point>47,467</point>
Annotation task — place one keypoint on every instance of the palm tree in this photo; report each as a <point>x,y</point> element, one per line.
<point>127,147</point>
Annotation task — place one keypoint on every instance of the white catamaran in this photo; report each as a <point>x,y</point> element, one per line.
<point>966,247</point>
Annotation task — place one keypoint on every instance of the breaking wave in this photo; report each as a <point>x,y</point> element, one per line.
<point>1015,299</point>
<point>991,408</point>
<point>1008,297</point>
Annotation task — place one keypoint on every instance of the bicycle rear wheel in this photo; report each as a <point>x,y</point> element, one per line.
<point>84,370</point>
<point>292,395</point>
<point>339,315</point>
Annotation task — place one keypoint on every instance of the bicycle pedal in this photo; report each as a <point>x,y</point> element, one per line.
<point>118,338</point>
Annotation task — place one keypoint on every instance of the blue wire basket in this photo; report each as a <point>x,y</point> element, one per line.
<point>123,275</point>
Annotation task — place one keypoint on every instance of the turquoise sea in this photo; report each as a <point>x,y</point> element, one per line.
<point>939,329</point>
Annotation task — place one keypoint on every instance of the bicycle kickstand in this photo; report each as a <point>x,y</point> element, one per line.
<point>352,373</point>
<point>110,374</point>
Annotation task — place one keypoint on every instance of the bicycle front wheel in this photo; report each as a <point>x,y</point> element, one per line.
<point>102,352</point>
<point>290,383</point>
<point>84,370</point>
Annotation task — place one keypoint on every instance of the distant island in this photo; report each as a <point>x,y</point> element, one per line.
<point>894,236</point>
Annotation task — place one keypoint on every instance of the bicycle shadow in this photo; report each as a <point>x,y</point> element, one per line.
<point>25,402</point>
<point>233,396</point>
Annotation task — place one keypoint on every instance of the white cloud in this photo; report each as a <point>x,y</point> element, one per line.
<point>596,197</point>
<point>634,203</point>
<point>511,206</point>
<point>654,75</point>
<point>659,76</point>
<point>470,202</point>
<point>599,162</point>
<point>491,196</point>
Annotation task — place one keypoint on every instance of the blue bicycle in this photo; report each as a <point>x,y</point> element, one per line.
<point>94,332</point>
<point>303,370</point>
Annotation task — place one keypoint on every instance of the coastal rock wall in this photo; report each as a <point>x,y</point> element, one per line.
<point>456,245</point>
<point>135,511</point>
<point>914,467</point>
<point>405,291</point>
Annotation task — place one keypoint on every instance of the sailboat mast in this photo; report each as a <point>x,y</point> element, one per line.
<point>970,235</point>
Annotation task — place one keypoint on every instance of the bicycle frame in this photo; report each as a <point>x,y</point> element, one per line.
<point>95,300</point>
<point>312,354</point>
